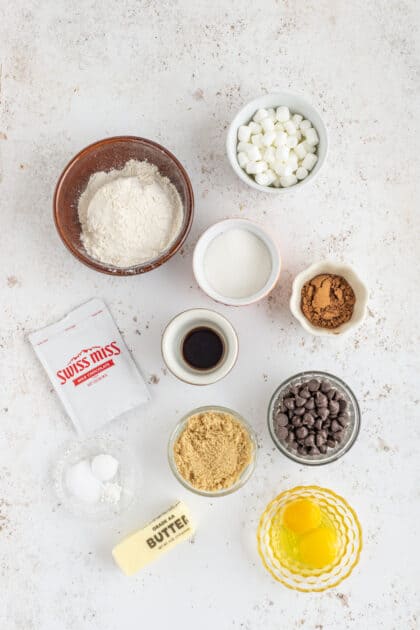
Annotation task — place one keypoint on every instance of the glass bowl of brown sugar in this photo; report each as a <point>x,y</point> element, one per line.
<point>329,298</point>
<point>212,451</point>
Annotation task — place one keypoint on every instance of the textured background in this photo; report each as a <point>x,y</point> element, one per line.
<point>177,72</point>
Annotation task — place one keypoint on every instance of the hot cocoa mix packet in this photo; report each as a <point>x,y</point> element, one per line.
<point>90,366</point>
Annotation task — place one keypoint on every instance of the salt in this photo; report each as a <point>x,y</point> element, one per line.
<point>237,263</point>
<point>91,481</point>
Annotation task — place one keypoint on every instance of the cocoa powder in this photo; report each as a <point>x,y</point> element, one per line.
<point>327,300</point>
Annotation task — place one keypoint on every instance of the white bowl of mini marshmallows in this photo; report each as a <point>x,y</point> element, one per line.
<point>276,143</point>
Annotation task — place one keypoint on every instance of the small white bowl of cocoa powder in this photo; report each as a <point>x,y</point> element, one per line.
<point>329,298</point>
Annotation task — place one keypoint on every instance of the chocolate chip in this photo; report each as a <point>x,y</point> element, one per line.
<point>320,400</point>
<point>310,440</point>
<point>322,449</point>
<point>282,433</point>
<point>299,402</point>
<point>330,443</point>
<point>310,403</point>
<point>318,424</point>
<point>299,411</point>
<point>325,386</point>
<point>335,426</point>
<point>289,403</point>
<point>282,420</point>
<point>313,385</point>
<point>302,432</point>
<point>319,440</point>
<point>304,392</point>
<point>294,389</point>
<point>338,395</point>
<point>297,421</point>
<point>323,433</point>
<point>293,445</point>
<point>343,419</point>
<point>308,419</point>
<point>323,413</point>
<point>343,405</point>
<point>290,437</point>
<point>331,394</point>
<point>334,407</point>
<point>339,436</point>
<point>302,450</point>
<point>314,451</point>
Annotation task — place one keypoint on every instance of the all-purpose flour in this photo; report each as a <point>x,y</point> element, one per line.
<point>129,216</point>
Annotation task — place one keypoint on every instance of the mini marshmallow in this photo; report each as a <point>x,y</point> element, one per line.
<point>290,127</point>
<point>309,161</point>
<point>305,124</point>
<point>310,148</point>
<point>301,173</point>
<point>266,178</point>
<point>244,146</point>
<point>276,182</point>
<point>280,139</point>
<point>244,133</point>
<point>311,136</point>
<point>260,115</point>
<point>282,113</point>
<point>271,113</point>
<point>282,153</point>
<point>289,180</point>
<point>257,140</point>
<point>269,155</point>
<point>291,142</point>
<point>254,153</point>
<point>292,162</point>
<point>281,169</point>
<point>298,134</point>
<point>267,124</point>
<point>254,127</point>
<point>243,159</point>
<point>253,168</point>
<point>268,138</point>
<point>297,119</point>
<point>278,126</point>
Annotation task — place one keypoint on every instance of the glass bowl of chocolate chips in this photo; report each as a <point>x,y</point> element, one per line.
<point>314,418</point>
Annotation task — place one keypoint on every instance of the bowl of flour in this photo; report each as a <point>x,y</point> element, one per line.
<point>123,205</point>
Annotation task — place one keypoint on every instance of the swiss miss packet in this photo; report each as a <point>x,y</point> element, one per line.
<point>90,366</point>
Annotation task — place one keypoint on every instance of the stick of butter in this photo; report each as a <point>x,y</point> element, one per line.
<point>147,544</point>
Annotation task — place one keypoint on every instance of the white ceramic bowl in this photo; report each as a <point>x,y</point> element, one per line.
<point>347,272</point>
<point>219,228</point>
<point>174,335</point>
<point>297,105</point>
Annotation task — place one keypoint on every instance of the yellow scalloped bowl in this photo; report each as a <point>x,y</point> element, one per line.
<point>337,515</point>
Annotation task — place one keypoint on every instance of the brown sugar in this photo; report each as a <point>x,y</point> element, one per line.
<point>213,450</point>
<point>327,300</point>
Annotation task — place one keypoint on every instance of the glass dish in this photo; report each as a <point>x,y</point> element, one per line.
<point>127,477</point>
<point>349,537</point>
<point>246,473</point>
<point>351,431</point>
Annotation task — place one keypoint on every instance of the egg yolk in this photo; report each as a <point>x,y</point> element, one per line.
<point>301,516</point>
<point>318,548</point>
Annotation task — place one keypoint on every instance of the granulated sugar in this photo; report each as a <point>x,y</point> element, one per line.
<point>237,263</point>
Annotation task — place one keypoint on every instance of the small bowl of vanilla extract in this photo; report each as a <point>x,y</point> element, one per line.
<point>199,346</point>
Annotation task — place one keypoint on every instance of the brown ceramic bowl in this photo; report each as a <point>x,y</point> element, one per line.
<point>105,155</point>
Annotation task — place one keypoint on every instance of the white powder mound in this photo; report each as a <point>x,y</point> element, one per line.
<point>129,216</point>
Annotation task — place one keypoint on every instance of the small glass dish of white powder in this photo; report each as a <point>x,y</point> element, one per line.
<point>236,262</point>
<point>96,478</point>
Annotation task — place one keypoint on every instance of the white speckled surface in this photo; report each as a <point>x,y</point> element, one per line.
<point>177,72</point>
